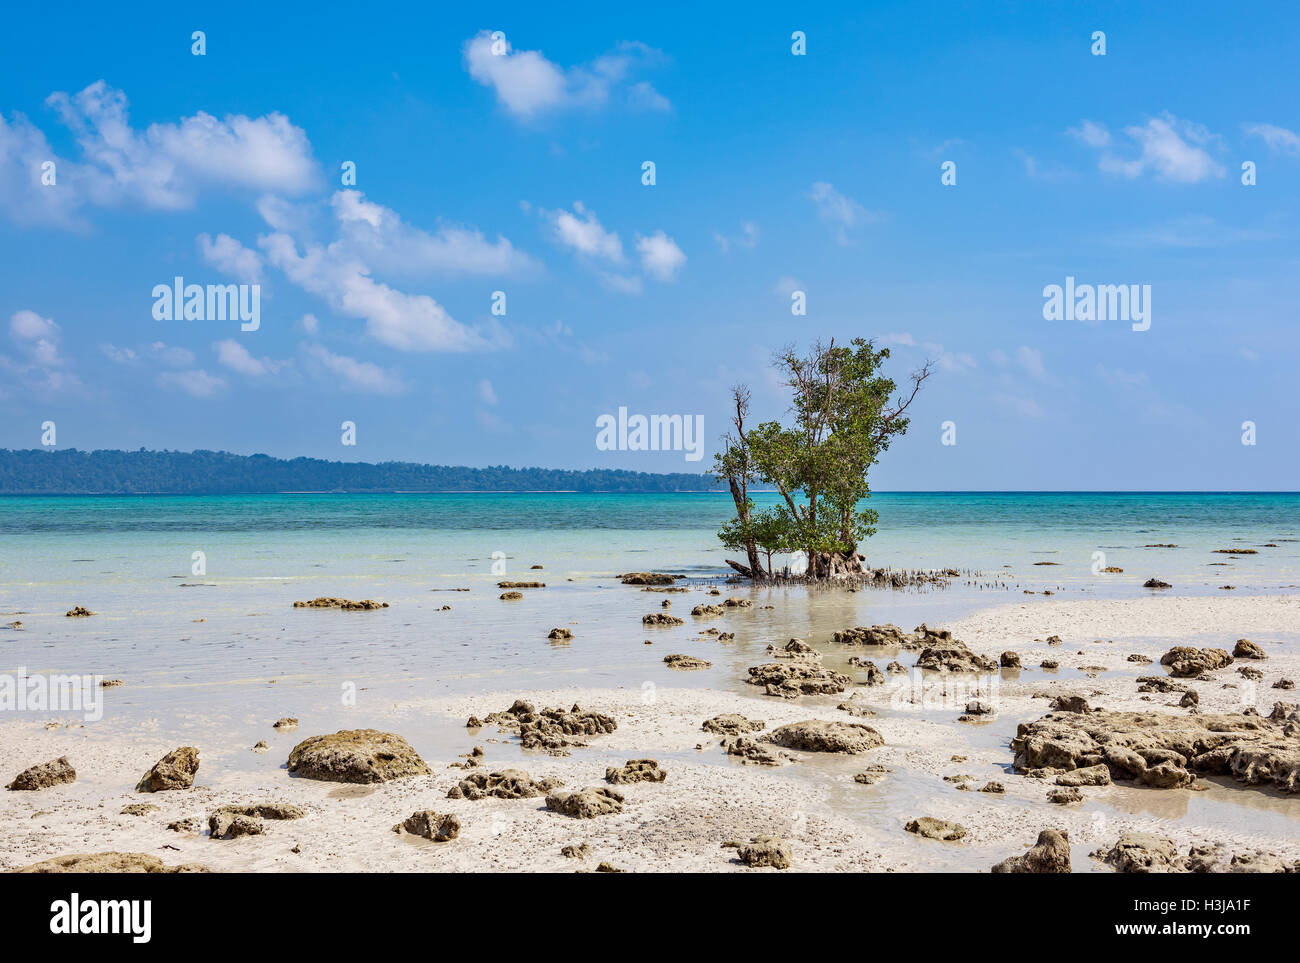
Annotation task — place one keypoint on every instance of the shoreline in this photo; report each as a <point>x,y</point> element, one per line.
<point>707,799</point>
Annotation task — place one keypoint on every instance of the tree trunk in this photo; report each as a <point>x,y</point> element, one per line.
<point>741,498</point>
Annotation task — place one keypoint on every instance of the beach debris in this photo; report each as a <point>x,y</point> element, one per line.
<point>260,746</point>
<point>1185,661</point>
<point>679,661</point>
<point>559,635</point>
<point>228,822</point>
<point>1009,660</point>
<point>732,724</point>
<point>1165,751</point>
<point>818,735</point>
<point>751,751</point>
<point>506,784</point>
<point>580,851</point>
<point>1148,853</point>
<point>16,625</point>
<point>946,654</point>
<point>1155,583</point>
<point>550,729</point>
<point>1054,640</point>
<point>78,612</point>
<point>1064,797</point>
<point>978,710</point>
<point>173,771</point>
<point>349,605</point>
<point>56,772</point>
<point>510,596</point>
<point>110,862</point>
<point>648,578</point>
<point>1246,649</point>
<point>440,827</point>
<point>636,770</point>
<point>765,850</point>
<point>1051,854</point>
<point>802,674</point>
<point>661,618</point>
<point>356,756</point>
<point>871,775</point>
<point>933,828</point>
<point>585,803</point>
<point>285,724</point>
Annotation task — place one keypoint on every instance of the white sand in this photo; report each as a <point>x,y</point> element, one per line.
<point>833,823</point>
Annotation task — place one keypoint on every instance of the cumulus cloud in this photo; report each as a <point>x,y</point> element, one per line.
<point>527,84</point>
<point>230,257</point>
<point>487,394</point>
<point>747,238</point>
<point>164,166</point>
<point>38,366</point>
<point>354,375</point>
<point>377,235</point>
<point>1167,147</point>
<point>580,231</point>
<point>661,258</point>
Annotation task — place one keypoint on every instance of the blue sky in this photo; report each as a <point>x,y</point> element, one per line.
<point>522,173</point>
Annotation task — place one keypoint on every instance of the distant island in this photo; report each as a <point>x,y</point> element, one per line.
<point>74,472</point>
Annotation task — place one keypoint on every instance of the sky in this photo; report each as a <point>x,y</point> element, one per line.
<point>502,149</point>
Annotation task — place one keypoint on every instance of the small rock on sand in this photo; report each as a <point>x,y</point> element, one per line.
<point>766,851</point>
<point>173,771</point>
<point>932,828</point>
<point>585,803</point>
<point>680,661</point>
<point>78,612</point>
<point>1051,854</point>
<point>56,772</point>
<point>636,770</point>
<point>816,735</point>
<point>440,827</point>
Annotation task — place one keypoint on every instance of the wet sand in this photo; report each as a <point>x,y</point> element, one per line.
<point>832,822</point>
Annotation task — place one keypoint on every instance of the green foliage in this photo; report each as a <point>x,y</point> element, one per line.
<point>843,420</point>
<point>72,472</point>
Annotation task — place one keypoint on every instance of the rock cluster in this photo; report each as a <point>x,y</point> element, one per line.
<point>506,784</point>
<point>661,618</point>
<point>440,827</point>
<point>346,604</point>
<point>766,851</point>
<point>585,803</point>
<point>1165,751</point>
<point>1187,661</point>
<point>551,729</point>
<point>1148,853</point>
<point>229,822</point>
<point>648,578</point>
<point>679,661</point>
<point>932,828</point>
<point>732,724</point>
<point>636,770</point>
<point>800,674</point>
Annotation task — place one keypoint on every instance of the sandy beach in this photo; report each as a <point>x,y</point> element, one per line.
<point>830,821</point>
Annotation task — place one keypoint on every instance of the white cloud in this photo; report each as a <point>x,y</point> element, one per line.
<point>1171,149</point>
<point>235,356</point>
<point>309,323</point>
<point>840,211</point>
<point>376,234</point>
<point>171,355</point>
<point>661,258</point>
<point>787,285</point>
<point>357,375</point>
<point>527,84</point>
<point>407,322</point>
<point>40,366</point>
<point>1277,138</point>
<point>230,257</point>
<point>119,355</point>
<point>580,231</point>
<point>486,392</point>
<point>197,383</point>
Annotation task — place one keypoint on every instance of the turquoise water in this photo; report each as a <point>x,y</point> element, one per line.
<point>215,638</point>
